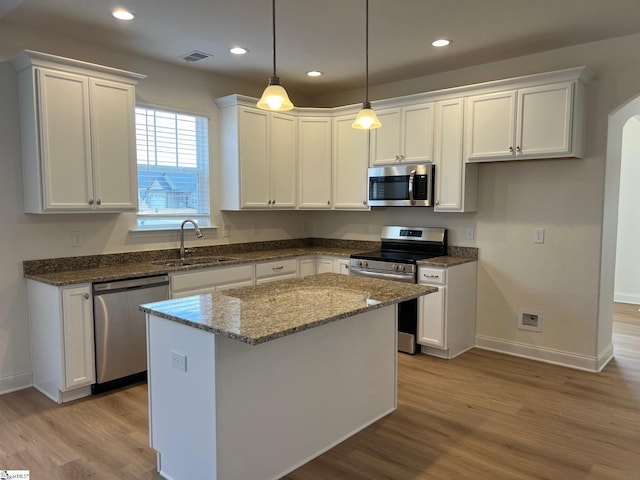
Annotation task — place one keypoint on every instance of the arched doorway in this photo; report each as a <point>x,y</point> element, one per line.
<point>615,144</point>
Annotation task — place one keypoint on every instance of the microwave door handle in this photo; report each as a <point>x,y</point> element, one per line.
<point>411,177</point>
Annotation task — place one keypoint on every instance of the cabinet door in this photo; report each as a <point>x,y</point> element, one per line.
<point>306,267</point>
<point>77,328</point>
<point>341,266</point>
<point>65,140</point>
<point>544,120</point>
<point>324,265</point>
<point>282,161</point>
<point>314,160</point>
<point>448,155</point>
<point>385,141</point>
<point>490,126</point>
<point>254,158</point>
<point>431,314</point>
<point>349,165</point>
<point>417,133</point>
<point>113,145</point>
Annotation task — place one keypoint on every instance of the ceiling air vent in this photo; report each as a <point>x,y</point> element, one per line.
<point>195,56</point>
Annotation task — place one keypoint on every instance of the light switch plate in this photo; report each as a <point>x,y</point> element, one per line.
<point>77,239</point>
<point>538,235</point>
<point>468,233</point>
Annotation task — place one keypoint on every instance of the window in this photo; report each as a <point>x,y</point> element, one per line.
<point>173,168</point>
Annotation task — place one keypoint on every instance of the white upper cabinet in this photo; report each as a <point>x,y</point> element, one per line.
<point>532,122</point>
<point>314,162</point>
<point>456,183</point>
<point>78,135</point>
<point>406,135</point>
<point>350,161</point>
<point>258,157</point>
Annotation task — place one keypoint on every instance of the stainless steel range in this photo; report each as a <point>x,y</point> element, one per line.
<point>400,250</point>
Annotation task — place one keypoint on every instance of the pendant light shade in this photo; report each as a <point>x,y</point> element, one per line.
<point>274,96</point>
<point>367,118</point>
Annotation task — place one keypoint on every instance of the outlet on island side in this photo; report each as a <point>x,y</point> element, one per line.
<point>529,320</point>
<point>179,361</point>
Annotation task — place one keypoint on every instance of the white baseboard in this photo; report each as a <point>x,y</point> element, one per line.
<point>547,355</point>
<point>626,298</point>
<point>15,382</point>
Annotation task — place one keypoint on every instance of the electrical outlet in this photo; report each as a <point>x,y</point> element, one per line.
<point>77,239</point>
<point>179,361</point>
<point>538,235</point>
<point>468,233</point>
<point>226,230</point>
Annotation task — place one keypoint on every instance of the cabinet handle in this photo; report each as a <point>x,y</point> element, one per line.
<point>91,201</point>
<point>86,296</point>
<point>98,202</point>
<point>275,269</point>
<point>430,276</point>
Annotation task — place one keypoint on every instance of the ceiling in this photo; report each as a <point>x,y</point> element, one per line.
<point>329,35</point>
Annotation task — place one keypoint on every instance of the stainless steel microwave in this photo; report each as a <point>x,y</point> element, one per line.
<point>401,186</point>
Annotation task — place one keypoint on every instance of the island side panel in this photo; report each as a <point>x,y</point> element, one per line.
<point>181,401</point>
<point>284,402</point>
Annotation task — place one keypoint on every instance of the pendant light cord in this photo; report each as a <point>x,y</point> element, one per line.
<point>366,56</point>
<point>273,17</point>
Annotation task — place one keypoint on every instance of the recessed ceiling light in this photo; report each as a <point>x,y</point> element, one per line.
<point>314,73</point>
<point>440,42</point>
<point>238,50</point>
<point>122,14</point>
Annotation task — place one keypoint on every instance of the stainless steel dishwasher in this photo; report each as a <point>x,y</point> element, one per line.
<point>120,332</point>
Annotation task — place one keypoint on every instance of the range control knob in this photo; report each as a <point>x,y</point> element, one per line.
<point>363,263</point>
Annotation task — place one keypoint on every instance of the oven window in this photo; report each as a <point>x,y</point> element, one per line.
<point>389,188</point>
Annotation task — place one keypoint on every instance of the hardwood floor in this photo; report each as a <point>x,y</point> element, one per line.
<point>481,416</point>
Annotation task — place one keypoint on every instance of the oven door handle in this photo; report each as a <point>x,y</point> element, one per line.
<point>411,178</point>
<point>398,277</point>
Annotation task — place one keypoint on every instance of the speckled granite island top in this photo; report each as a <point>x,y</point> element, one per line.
<point>265,312</point>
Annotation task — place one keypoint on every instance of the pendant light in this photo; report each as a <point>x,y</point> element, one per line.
<point>367,118</point>
<point>274,96</point>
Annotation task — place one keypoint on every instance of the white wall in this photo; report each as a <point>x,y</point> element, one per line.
<point>627,280</point>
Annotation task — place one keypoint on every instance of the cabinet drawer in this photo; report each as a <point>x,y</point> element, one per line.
<point>436,276</point>
<point>210,278</point>
<point>277,268</point>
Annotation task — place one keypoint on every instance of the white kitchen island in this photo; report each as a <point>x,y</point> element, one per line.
<point>253,382</point>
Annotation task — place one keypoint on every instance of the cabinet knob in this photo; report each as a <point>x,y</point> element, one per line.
<point>364,202</point>
<point>511,149</point>
<point>328,202</point>
<point>86,296</point>
<point>91,201</point>
<point>397,158</point>
<point>401,157</point>
<point>98,202</point>
<point>437,202</point>
<point>518,149</point>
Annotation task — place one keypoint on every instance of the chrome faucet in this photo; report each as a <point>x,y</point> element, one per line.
<point>199,234</point>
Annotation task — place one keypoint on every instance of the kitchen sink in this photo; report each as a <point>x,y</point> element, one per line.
<point>192,261</point>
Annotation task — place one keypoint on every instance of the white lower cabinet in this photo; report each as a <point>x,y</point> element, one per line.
<point>276,270</point>
<point>321,264</point>
<point>447,318</point>
<point>62,345</point>
<point>210,280</point>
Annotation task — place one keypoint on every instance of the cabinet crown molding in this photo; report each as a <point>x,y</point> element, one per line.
<point>29,58</point>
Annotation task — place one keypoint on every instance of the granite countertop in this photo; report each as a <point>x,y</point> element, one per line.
<point>111,267</point>
<point>261,313</point>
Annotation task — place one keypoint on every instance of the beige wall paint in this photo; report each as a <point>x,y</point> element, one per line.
<point>627,281</point>
<point>559,278</point>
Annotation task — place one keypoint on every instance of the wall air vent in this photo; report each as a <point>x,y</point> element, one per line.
<point>195,56</point>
